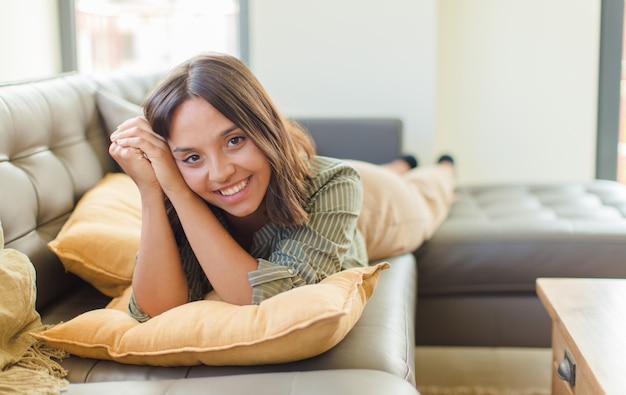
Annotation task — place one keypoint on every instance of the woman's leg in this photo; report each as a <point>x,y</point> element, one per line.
<point>435,184</point>
<point>402,209</point>
<point>402,164</point>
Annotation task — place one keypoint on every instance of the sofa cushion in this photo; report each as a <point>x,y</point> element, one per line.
<point>100,240</point>
<point>499,239</point>
<point>115,109</point>
<point>293,325</point>
<point>130,86</point>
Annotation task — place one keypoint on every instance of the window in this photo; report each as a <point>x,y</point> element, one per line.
<point>140,35</point>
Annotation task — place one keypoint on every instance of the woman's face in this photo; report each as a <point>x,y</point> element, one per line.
<point>217,160</point>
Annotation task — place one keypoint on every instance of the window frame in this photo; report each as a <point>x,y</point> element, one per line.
<point>609,90</point>
<point>67,32</point>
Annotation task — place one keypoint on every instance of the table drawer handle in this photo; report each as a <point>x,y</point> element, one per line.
<point>567,369</point>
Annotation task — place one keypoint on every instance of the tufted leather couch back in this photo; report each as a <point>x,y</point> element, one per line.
<point>53,148</point>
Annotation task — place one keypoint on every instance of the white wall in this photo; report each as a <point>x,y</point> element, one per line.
<point>507,86</point>
<point>517,88</point>
<point>367,58</point>
<point>29,39</point>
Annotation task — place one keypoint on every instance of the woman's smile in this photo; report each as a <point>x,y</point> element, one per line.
<point>230,191</point>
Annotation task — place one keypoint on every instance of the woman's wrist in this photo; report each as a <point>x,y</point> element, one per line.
<point>151,194</point>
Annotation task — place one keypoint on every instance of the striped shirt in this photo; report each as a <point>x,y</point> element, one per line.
<point>291,256</point>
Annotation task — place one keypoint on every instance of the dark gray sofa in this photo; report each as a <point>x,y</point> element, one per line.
<point>477,274</point>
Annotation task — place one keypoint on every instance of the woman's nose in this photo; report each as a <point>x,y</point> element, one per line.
<point>220,168</point>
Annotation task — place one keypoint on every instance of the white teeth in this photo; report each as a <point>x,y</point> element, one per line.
<point>235,189</point>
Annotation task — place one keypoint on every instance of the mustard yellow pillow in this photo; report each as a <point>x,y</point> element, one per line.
<point>100,240</point>
<point>293,325</point>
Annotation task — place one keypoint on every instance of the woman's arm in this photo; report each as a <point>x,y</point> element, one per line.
<point>329,242</point>
<point>225,263</point>
<point>159,282</point>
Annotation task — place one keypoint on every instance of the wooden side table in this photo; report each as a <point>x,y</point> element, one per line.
<point>588,334</point>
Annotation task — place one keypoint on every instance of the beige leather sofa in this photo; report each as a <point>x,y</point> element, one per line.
<point>53,148</point>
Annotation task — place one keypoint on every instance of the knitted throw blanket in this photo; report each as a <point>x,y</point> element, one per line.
<point>26,365</point>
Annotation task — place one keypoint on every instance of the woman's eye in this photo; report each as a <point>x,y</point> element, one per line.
<point>233,141</point>
<point>192,158</point>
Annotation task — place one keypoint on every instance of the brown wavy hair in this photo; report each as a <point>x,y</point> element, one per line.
<point>228,85</point>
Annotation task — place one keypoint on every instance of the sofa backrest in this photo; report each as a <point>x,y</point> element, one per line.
<point>132,87</point>
<point>376,140</point>
<point>52,150</point>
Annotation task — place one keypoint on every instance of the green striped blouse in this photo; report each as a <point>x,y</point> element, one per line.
<point>291,256</point>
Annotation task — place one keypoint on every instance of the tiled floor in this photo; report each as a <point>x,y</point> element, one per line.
<point>511,368</point>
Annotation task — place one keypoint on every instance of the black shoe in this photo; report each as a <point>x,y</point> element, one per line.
<point>446,158</point>
<point>411,160</point>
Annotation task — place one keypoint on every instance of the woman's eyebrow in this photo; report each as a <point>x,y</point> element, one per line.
<point>230,129</point>
<point>222,133</point>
